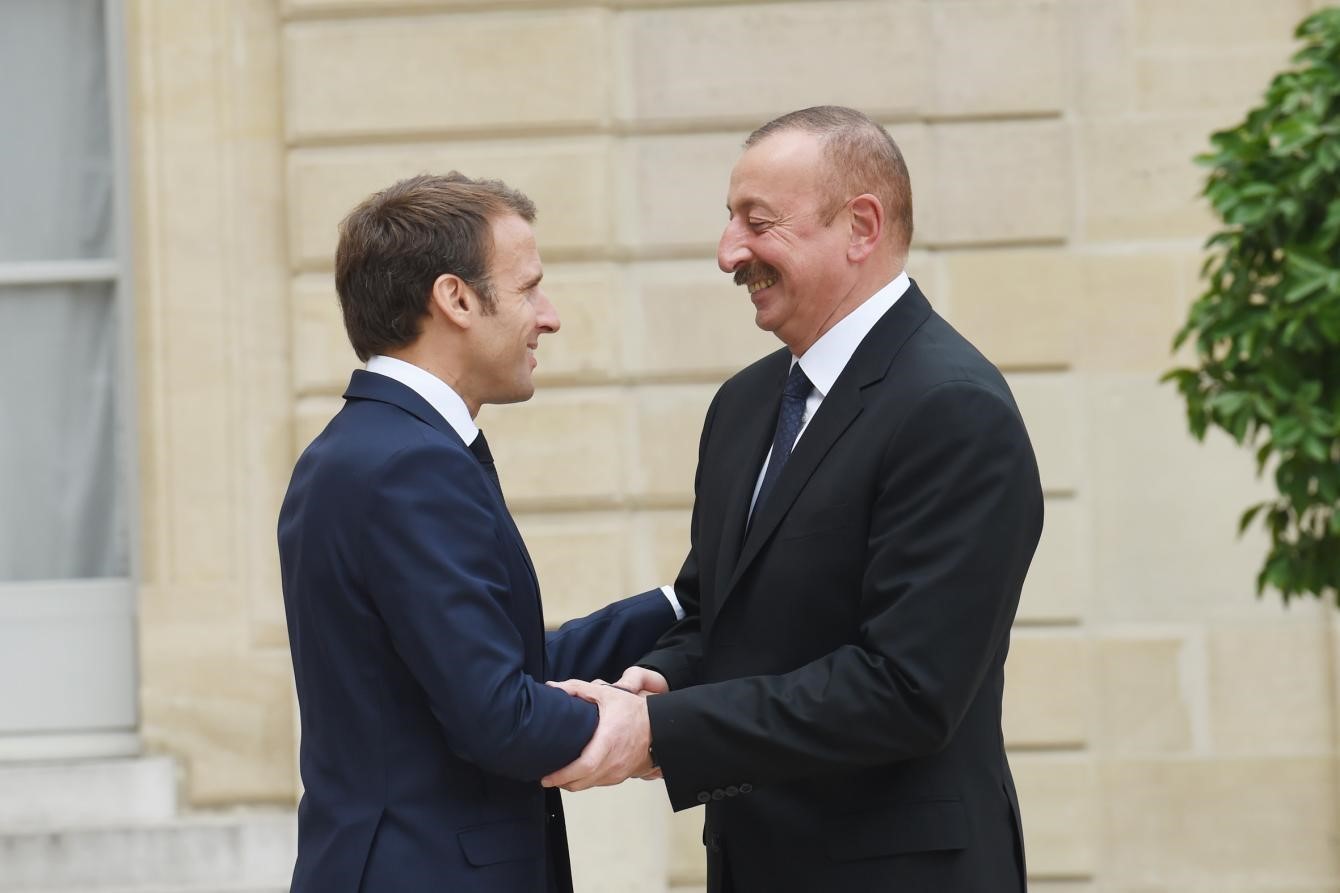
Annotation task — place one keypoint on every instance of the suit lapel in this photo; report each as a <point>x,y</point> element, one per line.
<point>754,436</point>
<point>868,365</point>
<point>364,385</point>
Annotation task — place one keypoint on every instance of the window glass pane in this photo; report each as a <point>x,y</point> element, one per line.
<point>55,132</point>
<point>62,497</point>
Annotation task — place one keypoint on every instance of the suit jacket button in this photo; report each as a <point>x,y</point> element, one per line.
<point>746,788</point>
<point>732,790</point>
<point>703,796</point>
<point>718,794</point>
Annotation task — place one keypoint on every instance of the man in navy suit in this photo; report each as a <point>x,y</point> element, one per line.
<point>867,507</point>
<point>414,614</point>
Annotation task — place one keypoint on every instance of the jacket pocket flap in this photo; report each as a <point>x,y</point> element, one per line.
<point>502,842</point>
<point>928,826</point>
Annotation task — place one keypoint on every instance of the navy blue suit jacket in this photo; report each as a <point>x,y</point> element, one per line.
<point>420,655</point>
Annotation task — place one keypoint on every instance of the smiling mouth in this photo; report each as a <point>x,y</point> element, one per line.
<point>759,284</point>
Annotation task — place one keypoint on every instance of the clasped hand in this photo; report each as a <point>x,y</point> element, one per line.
<point>621,746</point>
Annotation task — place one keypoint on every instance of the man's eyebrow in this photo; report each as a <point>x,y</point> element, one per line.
<point>532,282</point>
<point>749,204</point>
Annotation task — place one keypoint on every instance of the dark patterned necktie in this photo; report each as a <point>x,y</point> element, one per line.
<point>480,447</point>
<point>789,420</point>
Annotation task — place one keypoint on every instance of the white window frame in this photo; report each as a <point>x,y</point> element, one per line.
<point>40,612</point>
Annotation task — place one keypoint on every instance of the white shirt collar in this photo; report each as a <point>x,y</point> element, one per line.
<point>828,356</point>
<point>437,392</point>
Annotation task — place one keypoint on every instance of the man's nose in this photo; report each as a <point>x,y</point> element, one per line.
<point>547,316</point>
<point>731,250</point>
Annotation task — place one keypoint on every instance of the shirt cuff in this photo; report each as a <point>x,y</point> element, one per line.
<point>674,601</point>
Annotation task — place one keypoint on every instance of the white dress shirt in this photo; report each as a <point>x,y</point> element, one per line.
<point>437,392</point>
<point>828,356</point>
<point>453,410</point>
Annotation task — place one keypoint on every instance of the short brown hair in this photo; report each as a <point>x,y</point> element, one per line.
<point>395,244</point>
<point>861,155</point>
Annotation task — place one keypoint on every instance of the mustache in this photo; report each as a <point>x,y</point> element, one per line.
<point>752,272</point>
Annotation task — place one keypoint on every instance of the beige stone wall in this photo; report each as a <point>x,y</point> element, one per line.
<point>1169,731</point>
<point>214,395</point>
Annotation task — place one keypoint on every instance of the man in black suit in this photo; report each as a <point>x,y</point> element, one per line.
<point>867,505</point>
<point>414,617</point>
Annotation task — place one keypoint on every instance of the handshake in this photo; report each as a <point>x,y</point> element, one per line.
<point>621,746</point>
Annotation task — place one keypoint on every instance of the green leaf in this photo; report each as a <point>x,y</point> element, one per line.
<point>1249,515</point>
<point>1314,449</point>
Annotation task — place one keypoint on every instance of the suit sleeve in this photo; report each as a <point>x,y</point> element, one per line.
<point>678,653</point>
<point>604,644</point>
<point>434,563</point>
<point>955,521</point>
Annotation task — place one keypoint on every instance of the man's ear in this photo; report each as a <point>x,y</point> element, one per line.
<point>452,300</point>
<point>867,227</point>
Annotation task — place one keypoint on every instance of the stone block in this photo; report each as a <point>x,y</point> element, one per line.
<point>593,304</point>
<point>1177,824</point>
<point>1334,626</point>
<point>676,189</point>
<point>688,320</point>
<point>1049,403</point>
<point>564,448</point>
<point>237,849</point>
<point>617,838</point>
<point>1215,24</point>
<point>199,437</point>
<point>995,182</point>
<point>1127,310</point>
<point>1058,799</point>
<point>1165,509</point>
<point>1058,588</point>
<point>226,708</point>
<point>660,544</point>
<point>1031,308</point>
<point>567,177</point>
<point>1269,688</point>
<point>1018,306</point>
<point>994,58</point>
<point>926,268</point>
<point>1150,692</point>
<point>88,792</point>
<point>579,559</point>
<point>688,856</point>
<point>1233,80</point>
<point>322,356</point>
<point>318,8</point>
<point>919,153</point>
<point>183,602</point>
<point>1102,54</point>
<point>1048,690</point>
<point>1139,179</point>
<point>435,74</point>
<point>669,425</point>
<point>747,63</point>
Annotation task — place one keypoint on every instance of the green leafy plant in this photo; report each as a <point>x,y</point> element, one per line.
<point>1267,329</point>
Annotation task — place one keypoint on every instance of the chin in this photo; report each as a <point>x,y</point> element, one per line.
<point>766,321</point>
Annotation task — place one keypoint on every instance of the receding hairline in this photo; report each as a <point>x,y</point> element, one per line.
<point>851,144</point>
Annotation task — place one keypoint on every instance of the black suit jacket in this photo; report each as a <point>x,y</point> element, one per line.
<point>420,655</point>
<point>836,684</point>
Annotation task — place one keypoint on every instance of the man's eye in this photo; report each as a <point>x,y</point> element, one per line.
<point>759,225</point>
